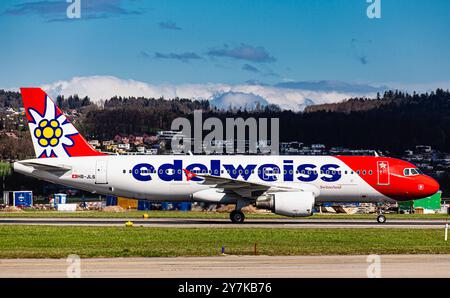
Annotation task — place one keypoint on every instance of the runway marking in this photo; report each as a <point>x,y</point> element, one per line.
<point>224,223</point>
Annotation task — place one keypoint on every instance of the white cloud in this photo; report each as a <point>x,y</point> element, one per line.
<point>105,87</point>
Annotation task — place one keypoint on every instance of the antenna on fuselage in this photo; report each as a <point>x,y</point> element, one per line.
<point>375,153</point>
<point>190,153</point>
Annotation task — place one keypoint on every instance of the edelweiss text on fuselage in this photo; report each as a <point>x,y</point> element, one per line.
<point>266,172</point>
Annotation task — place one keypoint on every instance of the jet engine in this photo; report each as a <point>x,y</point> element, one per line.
<point>295,203</point>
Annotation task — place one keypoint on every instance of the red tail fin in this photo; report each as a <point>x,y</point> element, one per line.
<point>52,133</point>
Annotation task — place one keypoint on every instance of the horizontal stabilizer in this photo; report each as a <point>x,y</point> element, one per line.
<point>46,167</point>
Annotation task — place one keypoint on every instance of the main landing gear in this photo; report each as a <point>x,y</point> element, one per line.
<point>237,216</point>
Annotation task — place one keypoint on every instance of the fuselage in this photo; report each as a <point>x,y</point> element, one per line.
<point>161,177</point>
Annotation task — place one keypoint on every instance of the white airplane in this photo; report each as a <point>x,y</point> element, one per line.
<point>286,185</point>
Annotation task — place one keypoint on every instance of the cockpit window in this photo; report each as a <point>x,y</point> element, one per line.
<point>411,172</point>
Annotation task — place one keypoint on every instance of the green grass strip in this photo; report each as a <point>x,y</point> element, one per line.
<point>58,242</point>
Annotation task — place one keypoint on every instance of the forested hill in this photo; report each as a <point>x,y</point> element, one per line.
<point>10,99</point>
<point>395,98</point>
<point>394,121</point>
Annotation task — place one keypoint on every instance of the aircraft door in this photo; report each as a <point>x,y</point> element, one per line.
<point>383,172</point>
<point>101,172</point>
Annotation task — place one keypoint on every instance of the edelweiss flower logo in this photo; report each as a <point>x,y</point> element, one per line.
<point>51,131</point>
<point>48,133</point>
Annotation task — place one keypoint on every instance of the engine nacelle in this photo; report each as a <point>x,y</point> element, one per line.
<point>295,204</point>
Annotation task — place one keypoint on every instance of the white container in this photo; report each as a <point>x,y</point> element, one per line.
<point>67,207</point>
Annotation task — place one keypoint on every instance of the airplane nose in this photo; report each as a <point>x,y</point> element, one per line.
<point>430,186</point>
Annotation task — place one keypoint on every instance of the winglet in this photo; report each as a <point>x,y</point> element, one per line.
<point>189,175</point>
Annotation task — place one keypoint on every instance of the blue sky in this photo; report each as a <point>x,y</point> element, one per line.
<point>227,42</point>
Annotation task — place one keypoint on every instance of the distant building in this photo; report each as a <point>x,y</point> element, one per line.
<point>94,143</point>
<point>168,135</point>
<point>138,140</point>
<point>123,146</point>
<point>409,152</point>
<point>152,151</point>
<point>150,139</point>
<point>318,146</point>
<point>107,143</point>
<point>11,135</point>
<point>423,149</point>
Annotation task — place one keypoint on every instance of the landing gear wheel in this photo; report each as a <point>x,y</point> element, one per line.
<point>381,218</point>
<point>237,216</point>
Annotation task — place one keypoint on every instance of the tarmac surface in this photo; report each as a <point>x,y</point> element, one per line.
<point>235,267</point>
<point>225,223</point>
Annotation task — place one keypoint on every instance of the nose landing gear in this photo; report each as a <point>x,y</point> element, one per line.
<point>381,218</point>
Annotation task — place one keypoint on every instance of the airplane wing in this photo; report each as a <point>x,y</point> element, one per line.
<point>249,190</point>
